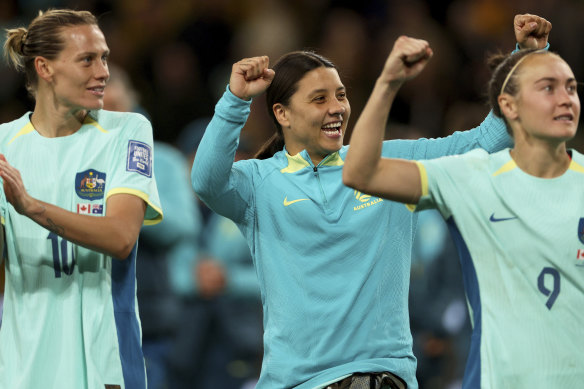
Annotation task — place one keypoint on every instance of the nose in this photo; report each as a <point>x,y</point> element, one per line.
<point>102,71</point>
<point>337,108</point>
<point>566,97</point>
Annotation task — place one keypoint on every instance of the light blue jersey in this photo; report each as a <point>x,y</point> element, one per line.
<point>333,264</point>
<point>521,244</point>
<point>70,315</point>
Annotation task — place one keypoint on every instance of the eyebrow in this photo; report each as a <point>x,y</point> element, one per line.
<point>94,53</point>
<point>316,91</point>
<point>553,79</point>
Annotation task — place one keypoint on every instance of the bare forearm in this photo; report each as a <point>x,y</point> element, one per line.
<point>367,139</point>
<point>109,235</point>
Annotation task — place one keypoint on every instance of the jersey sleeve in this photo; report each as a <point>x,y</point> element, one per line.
<point>224,186</point>
<point>133,172</point>
<point>443,181</point>
<point>491,135</point>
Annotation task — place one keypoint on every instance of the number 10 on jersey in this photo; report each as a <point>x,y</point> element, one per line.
<point>61,257</point>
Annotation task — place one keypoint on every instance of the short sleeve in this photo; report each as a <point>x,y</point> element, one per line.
<point>133,172</point>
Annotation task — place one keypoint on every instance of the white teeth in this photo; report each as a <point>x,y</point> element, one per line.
<point>564,117</point>
<point>332,125</point>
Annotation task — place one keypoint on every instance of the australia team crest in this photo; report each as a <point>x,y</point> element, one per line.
<point>90,184</point>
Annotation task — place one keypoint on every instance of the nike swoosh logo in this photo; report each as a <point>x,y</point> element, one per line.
<point>287,203</point>
<point>495,219</point>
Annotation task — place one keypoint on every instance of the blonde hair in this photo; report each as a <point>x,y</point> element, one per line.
<point>41,38</point>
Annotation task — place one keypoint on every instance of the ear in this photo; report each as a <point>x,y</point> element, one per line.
<point>508,105</point>
<point>281,114</point>
<point>43,68</point>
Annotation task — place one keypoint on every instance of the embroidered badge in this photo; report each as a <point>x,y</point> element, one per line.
<point>139,158</point>
<point>581,229</point>
<point>90,209</point>
<point>90,184</point>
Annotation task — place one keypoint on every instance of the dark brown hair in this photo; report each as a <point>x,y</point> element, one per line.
<point>41,38</point>
<point>289,69</point>
<point>505,75</point>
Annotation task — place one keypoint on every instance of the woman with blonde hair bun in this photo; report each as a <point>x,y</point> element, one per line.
<point>77,185</point>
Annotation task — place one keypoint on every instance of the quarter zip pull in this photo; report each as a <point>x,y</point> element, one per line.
<point>324,200</point>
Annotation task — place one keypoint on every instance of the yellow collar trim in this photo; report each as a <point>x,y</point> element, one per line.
<point>576,167</point>
<point>28,128</point>
<point>297,162</point>
<point>506,168</point>
<point>25,130</point>
<point>91,121</point>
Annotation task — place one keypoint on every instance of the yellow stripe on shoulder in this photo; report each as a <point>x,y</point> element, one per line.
<point>24,130</point>
<point>91,121</point>
<point>505,168</point>
<point>576,167</point>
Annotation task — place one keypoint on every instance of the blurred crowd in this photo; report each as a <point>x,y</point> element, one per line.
<point>199,304</point>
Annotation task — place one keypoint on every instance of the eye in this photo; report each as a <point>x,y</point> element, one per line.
<point>319,99</point>
<point>104,58</point>
<point>572,88</point>
<point>342,96</point>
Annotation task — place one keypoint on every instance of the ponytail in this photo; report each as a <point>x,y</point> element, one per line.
<point>14,47</point>
<point>271,146</point>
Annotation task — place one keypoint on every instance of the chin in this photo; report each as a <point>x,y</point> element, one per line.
<point>92,105</point>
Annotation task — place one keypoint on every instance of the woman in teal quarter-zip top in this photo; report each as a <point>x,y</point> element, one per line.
<point>333,263</point>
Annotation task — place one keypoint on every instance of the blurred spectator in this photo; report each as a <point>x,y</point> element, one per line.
<point>438,313</point>
<point>219,343</point>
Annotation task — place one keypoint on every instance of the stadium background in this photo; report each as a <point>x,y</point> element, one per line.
<point>178,54</point>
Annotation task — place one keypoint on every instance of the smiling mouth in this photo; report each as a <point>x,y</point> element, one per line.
<point>564,118</point>
<point>332,129</point>
<point>97,89</point>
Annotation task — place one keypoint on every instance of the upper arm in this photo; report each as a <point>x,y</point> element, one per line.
<point>397,180</point>
<point>231,193</point>
<point>128,212</point>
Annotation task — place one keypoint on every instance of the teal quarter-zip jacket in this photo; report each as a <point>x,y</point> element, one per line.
<point>333,263</point>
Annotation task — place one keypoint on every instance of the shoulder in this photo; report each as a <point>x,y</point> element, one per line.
<point>472,157</point>
<point>261,168</point>
<point>111,120</point>
<point>462,168</point>
<point>10,129</point>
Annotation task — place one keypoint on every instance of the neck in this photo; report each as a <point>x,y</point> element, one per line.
<point>543,160</point>
<point>51,121</point>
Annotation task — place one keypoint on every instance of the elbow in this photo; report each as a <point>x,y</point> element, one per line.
<point>353,180</point>
<point>123,247</point>
<point>198,181</point>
